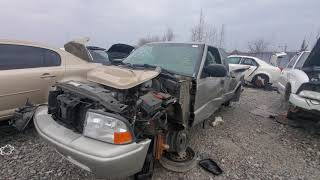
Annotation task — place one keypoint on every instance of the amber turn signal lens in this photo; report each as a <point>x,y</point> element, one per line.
<point>122,137</point>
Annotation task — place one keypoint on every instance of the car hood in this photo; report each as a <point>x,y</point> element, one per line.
<point>120,77</point>
<point>313,59</point>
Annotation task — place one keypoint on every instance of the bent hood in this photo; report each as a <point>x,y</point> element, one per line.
<point>119,77</point>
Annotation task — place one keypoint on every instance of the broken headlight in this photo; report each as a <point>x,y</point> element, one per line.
<point>106,127</point>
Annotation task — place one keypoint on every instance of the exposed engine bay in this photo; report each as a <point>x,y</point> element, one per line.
<point>151,108</point>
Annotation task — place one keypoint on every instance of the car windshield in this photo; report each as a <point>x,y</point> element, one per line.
<point>178,58</point>
<point>100,56</point>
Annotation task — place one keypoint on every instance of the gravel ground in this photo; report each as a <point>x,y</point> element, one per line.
<point>246,146</point>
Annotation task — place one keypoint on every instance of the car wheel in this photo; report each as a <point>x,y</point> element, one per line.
<point>260,80</point>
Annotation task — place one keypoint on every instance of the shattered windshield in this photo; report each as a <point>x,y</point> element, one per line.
<point>178,58</point>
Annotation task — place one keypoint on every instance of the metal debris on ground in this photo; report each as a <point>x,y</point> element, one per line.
<point>6,150</point>
<point>263,111</point>
<point>210,166</point>
<point>217,121</point>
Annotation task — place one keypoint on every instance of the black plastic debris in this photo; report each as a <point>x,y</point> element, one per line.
<point>211,166</point>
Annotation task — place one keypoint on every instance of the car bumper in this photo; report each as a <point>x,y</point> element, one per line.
<point>304,103</point>
<point>102,159</point>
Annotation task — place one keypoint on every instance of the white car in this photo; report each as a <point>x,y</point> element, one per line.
<point>299,82</point>
<point>259,73</point>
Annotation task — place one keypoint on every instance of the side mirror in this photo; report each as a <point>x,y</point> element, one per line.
<point>215,70</point>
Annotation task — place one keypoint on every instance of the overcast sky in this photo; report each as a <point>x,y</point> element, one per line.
<point>57,21</point>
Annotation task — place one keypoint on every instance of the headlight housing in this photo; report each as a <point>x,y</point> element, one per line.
<point>107,127</point>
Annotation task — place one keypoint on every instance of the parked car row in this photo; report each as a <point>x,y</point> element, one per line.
<point>113,117</point>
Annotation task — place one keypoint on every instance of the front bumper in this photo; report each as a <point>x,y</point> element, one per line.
<point>304,103</point>
<point>103,159</point>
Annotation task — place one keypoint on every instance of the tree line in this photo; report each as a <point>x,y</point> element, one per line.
<point>205,32</point>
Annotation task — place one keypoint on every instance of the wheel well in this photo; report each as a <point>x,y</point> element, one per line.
<point>261,74</point>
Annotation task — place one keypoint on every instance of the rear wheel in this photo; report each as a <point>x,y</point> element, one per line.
<point>260,80</point>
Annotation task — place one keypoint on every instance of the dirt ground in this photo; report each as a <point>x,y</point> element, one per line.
<point>246,146</point>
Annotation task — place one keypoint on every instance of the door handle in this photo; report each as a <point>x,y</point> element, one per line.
<point>47,75</point>
<point>222,81</point>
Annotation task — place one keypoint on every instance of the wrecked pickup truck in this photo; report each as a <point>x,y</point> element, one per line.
<point>125,117</point>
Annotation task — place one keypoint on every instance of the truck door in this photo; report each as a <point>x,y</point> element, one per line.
<point>210,90</point>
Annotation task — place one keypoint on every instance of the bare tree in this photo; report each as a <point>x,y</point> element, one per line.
<point>148,39</point>
<point>258,46</point>
<point>168,35</point>
<point>197,32</point>
<point>304,45</point>
<point>207,33</point>
<point>222,36</point>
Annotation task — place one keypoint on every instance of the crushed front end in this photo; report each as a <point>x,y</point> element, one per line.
<point>111,131</point>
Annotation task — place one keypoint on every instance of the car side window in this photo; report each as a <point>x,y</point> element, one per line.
<point>248,61</point>
<point>22,57</point>
<point>234,60</point>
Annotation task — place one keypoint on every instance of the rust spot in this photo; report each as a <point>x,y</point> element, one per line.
<point>160,146</point>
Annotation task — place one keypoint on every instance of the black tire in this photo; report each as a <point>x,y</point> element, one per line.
<point>257,82</point>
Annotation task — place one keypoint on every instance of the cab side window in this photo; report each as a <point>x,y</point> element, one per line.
<point>23,57</point>
<point>212,57</point>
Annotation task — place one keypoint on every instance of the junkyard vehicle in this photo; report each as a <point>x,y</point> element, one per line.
<point>28,70</point>
<point>126,116</point>
<point>259,73</point>
<point>115,54</point>
<point>299,83</point>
